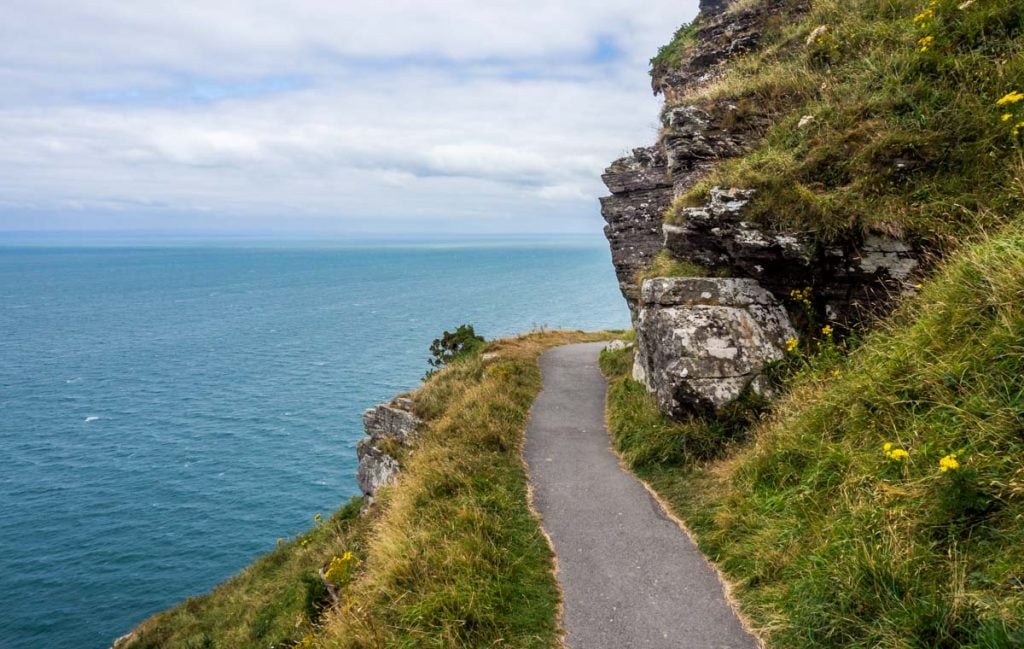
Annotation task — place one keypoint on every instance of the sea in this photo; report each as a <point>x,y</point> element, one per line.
<point>167,412</point>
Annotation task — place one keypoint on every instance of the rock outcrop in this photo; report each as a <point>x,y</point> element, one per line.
<point>388,426</point>
<point>634,213</point>
<point>644,183</point>
<point>693,138</point>
<point>721,33</point>
<point>849,280</point>
<point>701,341</point>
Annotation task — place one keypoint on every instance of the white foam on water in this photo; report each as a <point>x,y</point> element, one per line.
<point>88,419</point>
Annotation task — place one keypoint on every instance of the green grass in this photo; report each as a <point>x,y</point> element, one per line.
<point>830,542</point>
<point>457,559</point>
<point>274,602</point>
<point>904,141</point>
<point>451,556</point>
<point>671,55</point>
<point>664,265</point>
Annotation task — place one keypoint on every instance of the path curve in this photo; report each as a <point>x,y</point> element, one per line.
<point>630,577</point>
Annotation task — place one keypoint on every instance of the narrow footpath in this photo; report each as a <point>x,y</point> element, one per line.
<point>630,577</point>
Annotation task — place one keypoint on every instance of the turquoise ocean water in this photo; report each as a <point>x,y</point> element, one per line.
<point>167,413</point>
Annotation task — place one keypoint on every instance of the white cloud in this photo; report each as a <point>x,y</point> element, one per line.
<point>320,115</point>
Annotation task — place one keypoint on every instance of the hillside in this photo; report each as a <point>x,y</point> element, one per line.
<point>863,162</point>
<point>840,515</point>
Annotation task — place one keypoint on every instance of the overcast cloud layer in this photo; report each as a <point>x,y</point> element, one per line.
<point>308,116</point>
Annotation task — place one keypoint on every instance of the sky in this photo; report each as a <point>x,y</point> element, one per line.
<point>321,117</point>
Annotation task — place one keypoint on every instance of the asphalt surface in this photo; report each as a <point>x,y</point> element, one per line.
<point>630,577</point>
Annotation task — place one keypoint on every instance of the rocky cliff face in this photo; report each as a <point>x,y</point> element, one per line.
<point>388,426</point>
<point>850,279</point>
<point>693,138</point>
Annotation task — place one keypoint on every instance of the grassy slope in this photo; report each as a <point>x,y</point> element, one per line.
<point>457,559</point>
<point>832,543</point>
<point>907,138</point>
<point>272,603</point>
<point>450,557</point>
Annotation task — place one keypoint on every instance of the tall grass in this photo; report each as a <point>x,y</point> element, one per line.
<point>907,139</point>
<point>833,541</point>
<point>457,559</point>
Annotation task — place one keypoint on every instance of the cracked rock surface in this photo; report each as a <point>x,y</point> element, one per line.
<point>701,341</point>
<point>386,425</point>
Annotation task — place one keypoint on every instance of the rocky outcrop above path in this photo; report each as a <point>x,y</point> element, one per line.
<point>388,427</point>
<point>644,183</point>
<point>692,139</point>
<point>701,341</point>
<point>634,213</point>
<point>848,279</point>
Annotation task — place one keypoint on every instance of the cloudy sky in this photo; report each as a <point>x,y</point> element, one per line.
<point>309,116</point>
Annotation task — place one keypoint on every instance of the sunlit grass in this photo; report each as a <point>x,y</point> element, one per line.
<point>835,540</point>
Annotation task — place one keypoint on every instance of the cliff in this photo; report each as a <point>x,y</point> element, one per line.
<point>819,150</point>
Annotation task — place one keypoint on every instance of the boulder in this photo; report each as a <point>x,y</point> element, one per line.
<point>385,425</point>
<point>701,341</point>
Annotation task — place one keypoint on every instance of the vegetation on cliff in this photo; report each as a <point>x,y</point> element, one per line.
<point>274,602</point>
<point>894,116</point>
<point>450,556</point>
<point>881,503</point>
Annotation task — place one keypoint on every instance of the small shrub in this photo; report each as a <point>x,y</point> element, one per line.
<point>453,345</point>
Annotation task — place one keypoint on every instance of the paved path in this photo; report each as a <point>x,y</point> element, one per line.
<point>631,578</point>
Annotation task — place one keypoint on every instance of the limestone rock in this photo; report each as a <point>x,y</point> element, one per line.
<point>392,423</point>
<point>716,236</point>
<point>702,341</point>
<point>376,468</point>
<point>394,420</point>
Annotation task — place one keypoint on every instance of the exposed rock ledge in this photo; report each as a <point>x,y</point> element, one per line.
<point>386,425</point>
<point>701,341</point>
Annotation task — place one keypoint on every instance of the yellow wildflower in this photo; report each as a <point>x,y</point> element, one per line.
<point>827,330</point>
<point>924,15</point>
<point>949,463</point>
<point>925,42</point>
<point>1007,117</point>
<point>898,454</point>
<point>340,570</point>
<point>1010,98</point>
<point>836,373</point>
<point>791,344</point>
<point>887,447</point>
